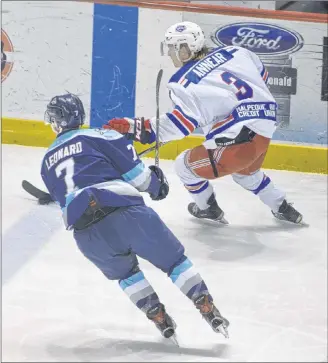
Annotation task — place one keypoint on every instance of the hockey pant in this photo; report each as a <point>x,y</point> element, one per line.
<point>243,162</point>
<point>114,243</point>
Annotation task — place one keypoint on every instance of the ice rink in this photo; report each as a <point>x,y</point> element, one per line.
<point>268,278</point>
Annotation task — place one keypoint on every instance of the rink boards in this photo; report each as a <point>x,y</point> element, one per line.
<point>109,56</point>
<point>280,156</point>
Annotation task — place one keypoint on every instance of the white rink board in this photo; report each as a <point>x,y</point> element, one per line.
<point>269,279</point>
<point>53,54</point>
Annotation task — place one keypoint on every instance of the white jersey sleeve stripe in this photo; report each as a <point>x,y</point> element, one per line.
<point>265,76</point>
<point>182,121</point>
<point>178,123</point>
<point>263,70</point>
<point>189,118</point>
<point>186,123</point>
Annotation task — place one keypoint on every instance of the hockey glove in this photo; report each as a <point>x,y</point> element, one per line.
<point>163,189</point>
<point>137,129</point>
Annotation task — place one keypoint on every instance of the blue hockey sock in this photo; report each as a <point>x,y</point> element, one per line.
<point>140,292</point>
<point>188,280</point>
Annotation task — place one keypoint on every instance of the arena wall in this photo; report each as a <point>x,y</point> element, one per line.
<point>109,55</point>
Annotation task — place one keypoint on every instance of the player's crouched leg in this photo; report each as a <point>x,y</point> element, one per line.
<point>200,189</point>
<point>261,185</point>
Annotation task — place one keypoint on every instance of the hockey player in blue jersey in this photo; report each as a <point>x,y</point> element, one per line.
<point>96,177</point>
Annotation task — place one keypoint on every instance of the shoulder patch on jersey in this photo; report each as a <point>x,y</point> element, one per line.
<point>63,138</point>
<point>101,133</point>
<point>96,133</point>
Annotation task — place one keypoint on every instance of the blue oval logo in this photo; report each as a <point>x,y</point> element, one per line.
<point>261,38</point>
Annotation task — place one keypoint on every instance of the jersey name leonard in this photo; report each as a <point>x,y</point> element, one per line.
<point>62,153</point>
<point>205,66</point>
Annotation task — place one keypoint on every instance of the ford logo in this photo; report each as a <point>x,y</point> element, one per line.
<point>261,38</point>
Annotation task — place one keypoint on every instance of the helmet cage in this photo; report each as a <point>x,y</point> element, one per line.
<point>180,47</point>
<point>179,52</point>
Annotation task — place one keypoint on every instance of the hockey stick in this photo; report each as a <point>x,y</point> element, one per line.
<point>157,146</point>
<point>147,151</point>
<point>41,196</point>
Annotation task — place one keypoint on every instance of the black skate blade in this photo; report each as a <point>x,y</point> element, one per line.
<point>300,223</point>
<point>222,221</point>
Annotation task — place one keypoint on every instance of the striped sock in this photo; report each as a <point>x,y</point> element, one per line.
<point>140,292</point>
<point>188,280</point>
<point>200,192</point>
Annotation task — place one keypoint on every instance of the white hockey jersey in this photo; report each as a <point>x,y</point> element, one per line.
<point>219,94</point>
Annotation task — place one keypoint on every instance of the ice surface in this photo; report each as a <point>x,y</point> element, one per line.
<point>268,278</point>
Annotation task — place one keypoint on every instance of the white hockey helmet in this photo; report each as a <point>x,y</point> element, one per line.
<point>183,41</point>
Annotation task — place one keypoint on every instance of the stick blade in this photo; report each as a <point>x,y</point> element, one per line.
<point>43,197</point>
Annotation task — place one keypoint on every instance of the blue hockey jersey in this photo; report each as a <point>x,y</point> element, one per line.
<point>94,162</point>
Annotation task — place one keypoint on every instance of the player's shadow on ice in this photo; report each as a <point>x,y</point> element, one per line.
<point>236,242</point>
<point>116,349</point>
<point>26,237</point>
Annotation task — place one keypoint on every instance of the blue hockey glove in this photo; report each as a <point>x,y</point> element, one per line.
<point>162,184</point>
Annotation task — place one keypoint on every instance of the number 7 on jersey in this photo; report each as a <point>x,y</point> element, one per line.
<point>68,166</point>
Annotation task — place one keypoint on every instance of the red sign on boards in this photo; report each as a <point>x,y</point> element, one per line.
<point>7,52</point>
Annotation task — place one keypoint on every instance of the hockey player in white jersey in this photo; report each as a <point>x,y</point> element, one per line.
<point>223,92</point>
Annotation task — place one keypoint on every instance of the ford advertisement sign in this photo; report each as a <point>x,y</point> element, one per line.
<point>261,38</point>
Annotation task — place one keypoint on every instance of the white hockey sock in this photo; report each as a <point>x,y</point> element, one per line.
<point>200,189</point>
<point>200,192</point>
<point>261,185</point>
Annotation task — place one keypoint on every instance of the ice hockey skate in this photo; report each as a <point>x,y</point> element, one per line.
<point>288,213</point>
<point>164,323</point>
<point>213,212</point>
<point>212,315</point>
